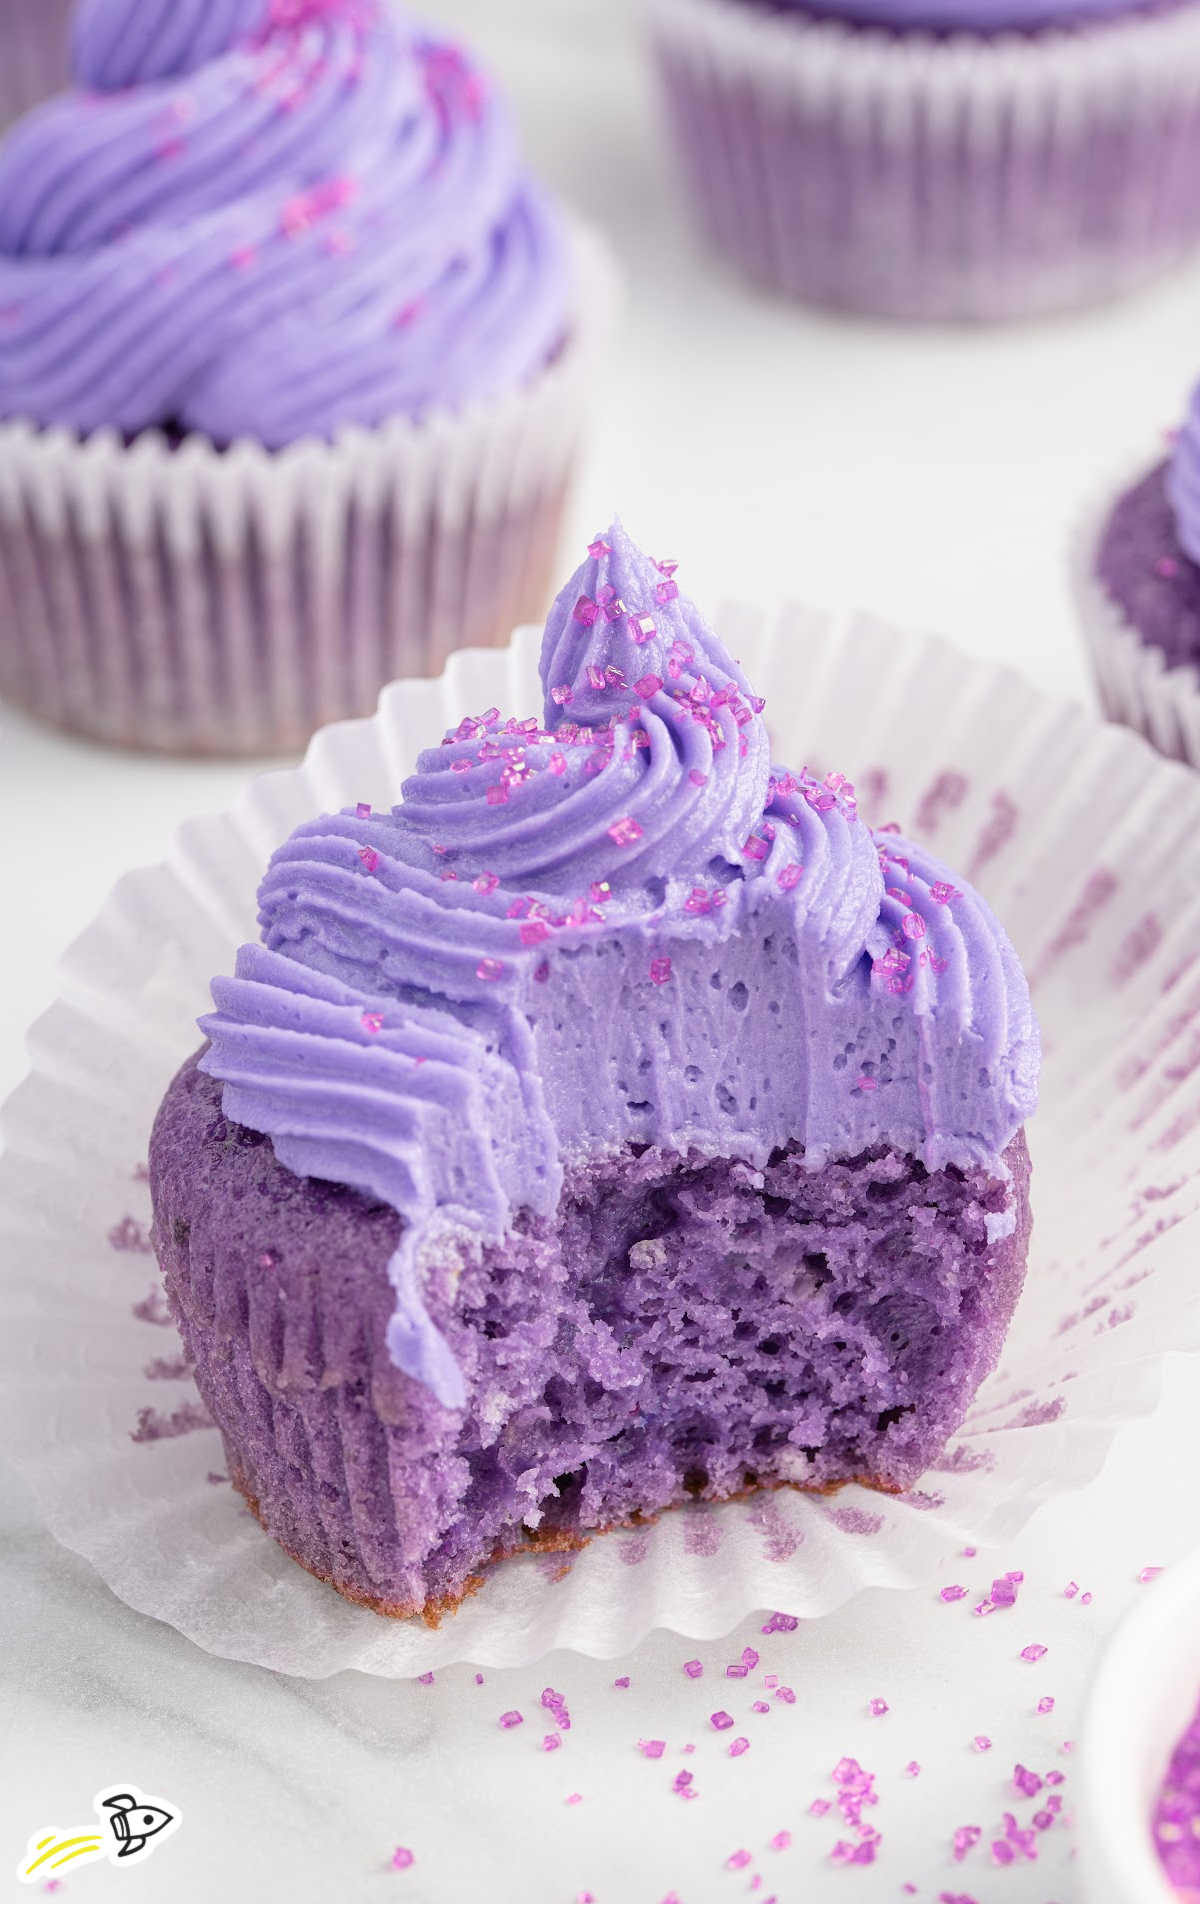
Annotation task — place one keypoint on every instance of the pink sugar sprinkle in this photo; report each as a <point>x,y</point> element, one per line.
<point>563,694</point>
<point>363,810</point>
<point>1034,1651</point>
<point>982,1743</point>
<point>1004,1590</point>
<point>739,1746</point>
<point>697,778</point>
<point>866,1083</point>
<point>737,1860</point>
<point>721,1720</point>
<point>1166,566</point>
<point>497,796</point>
<point>486,882</point>
<point>1070,1591</point>
<point>622,1682</point>
<point>781,1841</point>
<point>970,1553</point>
<point>790,877</point>
<point>648,685</point>
<point>964,1838</point>
<point>1026,1782</point>
<point>942,892</point>
<point>585,611</point>
<point>641,629</point>
<point>877,1708</point>
<point>489,969</point>
<point>599,548</point>
<point>425,1680</point>
<point>819,1808</point>
<point>693,1669</point>
<point>625,831</point>
<point>573,1799</point>
<point>666,591</point>
<point>512,1718</point>
<point>1046,1703</point>
<point>786,1695</point>
<point>402,1858</point>
<point>771,1679</point>
<point>652,1749</point>
<point>551,1743</point>
<point>369,858</point>
<point>737,1670</point>
<point>1055,1778</point>
<point>543,972</point>
<point>1085,1600</point>
<point>660,971</point>
<point>557,763</point>
<point>913,1768</point>
<point>954,1593</point>
<point>682,1781</point>
<point>372,1021</point>
<point>1146,1575</point>
<point>1002,1852</point>
<point>479,1680</point>
<point>760,1706</point>
<point>533,931</point>
<point>781,1624</point>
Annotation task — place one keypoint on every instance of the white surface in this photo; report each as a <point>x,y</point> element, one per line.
<point>933,476</point>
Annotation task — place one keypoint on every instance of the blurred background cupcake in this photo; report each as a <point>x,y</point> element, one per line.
<point>939,158</point>
<point>33,53</point>
<point>1137,587</point>
<point>294,357</point>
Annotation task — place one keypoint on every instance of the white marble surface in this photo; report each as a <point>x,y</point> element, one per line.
<point>930,475</point>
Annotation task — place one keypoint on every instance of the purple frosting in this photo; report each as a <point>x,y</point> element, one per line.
<point>615,926</point>
<point>1183,479</point>
<point>964,16</point>
<point>269,218</point>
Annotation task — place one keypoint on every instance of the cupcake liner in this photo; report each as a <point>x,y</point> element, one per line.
<point>1135,685</point>
<point>1086,842</point>
<point>191,600</point>
<point>924,177</point>
<point>34,36</point>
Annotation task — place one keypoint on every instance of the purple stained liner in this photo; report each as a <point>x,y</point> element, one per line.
<point>561,1228</point>
<point>938,160</point>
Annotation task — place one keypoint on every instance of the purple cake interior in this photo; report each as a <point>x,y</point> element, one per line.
<point>1145,570</point>
<point>616,1120</point>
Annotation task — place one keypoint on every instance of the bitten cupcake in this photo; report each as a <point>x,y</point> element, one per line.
<point>616,1120</point>
<point>33,53</point>
<point>1137,588</point>
<point>971,159</point>
<point>293,357</point>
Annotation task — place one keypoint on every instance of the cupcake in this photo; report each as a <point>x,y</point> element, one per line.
<point>939,158</point>
<point>293,363</point>
<point>1137,587</point>
<point>33,53</point>
<point>616,1120</point>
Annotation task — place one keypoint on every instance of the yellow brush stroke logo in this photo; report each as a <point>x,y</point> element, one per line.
<point>133,1825</point>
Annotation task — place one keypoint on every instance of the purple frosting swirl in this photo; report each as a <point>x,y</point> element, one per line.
<point>269,218</point>
<point>616,924</point>
<point>964,16</point>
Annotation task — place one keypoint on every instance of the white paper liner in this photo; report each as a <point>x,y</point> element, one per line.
<point>1086,842</point>
<point>34,36</point>
<point>923,176</point>
<point>200,601</point>
<point>1135,685</point>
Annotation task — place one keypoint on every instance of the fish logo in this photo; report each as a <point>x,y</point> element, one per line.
<point>132,1827</point>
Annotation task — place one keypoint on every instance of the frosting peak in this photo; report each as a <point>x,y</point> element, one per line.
<point>614,925</point>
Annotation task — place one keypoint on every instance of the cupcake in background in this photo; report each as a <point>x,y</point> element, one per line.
<point>962,159</point>
<point>33,53</point>
<point>293,362</point>
<point>1137,586</point>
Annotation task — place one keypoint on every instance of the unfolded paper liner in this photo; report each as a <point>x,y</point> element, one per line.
<point>34,36</point>
<point>927,176</point>
<point>1087,843</point>
<point>1135,684</point>
<point>201,601</point>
